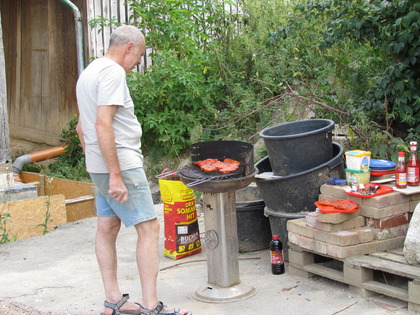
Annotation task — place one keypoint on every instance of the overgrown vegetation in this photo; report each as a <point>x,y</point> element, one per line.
<point>71,164</point>
<point>221,73</point>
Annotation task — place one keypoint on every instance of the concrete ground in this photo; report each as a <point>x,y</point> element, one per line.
<point>58,274</point>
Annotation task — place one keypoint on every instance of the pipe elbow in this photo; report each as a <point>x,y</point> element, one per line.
<point>20,162</point>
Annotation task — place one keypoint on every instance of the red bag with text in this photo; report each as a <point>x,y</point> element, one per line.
<point>182,235</point>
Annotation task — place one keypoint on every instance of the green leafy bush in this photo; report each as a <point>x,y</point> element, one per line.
<point>71,164</point>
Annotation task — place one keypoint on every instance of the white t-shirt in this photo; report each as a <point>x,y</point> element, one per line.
<point>103,82</point>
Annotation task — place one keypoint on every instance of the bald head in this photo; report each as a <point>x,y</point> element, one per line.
<point>125,34</point>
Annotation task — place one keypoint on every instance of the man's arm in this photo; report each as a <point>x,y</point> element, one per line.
<point>80,134</point>
<point>106,141</point>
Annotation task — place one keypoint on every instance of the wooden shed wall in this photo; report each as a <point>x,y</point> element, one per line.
<point>41,68</point>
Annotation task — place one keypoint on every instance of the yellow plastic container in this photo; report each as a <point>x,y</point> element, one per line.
<point>357,177</point>
<point>358,160</point>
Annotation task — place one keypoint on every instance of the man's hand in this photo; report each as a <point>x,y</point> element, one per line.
<point>117,189</point>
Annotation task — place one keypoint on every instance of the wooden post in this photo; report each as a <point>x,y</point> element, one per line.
<point>4,125</point>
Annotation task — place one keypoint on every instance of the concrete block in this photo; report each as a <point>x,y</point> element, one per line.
<point>391,232</point>
<point>384,212</point>
<point>356,274</point>
<point>389,222</point>
<point>312,220</point>
<point>336,192</point>
<point>414,296</point>
<point>300,258</point>
<point>336,218</point>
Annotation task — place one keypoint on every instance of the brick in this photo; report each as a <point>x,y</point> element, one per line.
<point>328,197</point>
<point>341,238</point>
<point>389,222</point>
<point>365,248</point>
<point>336,192</point>
<point>308,243</point>
<point>391,232</point>
<point>384,212</point>
<point>311,219</point>
<point>385,200</point>
<point>299,226</point>
<point>345,251</point>
<point>415,197</point>
<point>413,205</point>
<point>336,218</point>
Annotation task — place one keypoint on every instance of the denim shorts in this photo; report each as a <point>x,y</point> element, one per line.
<point>139,206</point>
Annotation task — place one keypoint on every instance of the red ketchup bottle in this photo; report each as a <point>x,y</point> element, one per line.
<point>413,166</point>
<point>401,172</point>
<point>276,250</point>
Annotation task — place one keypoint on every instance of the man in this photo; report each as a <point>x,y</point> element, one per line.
<point>110,135</point>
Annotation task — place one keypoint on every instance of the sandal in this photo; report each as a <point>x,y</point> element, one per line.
<point>116,307</point>
<point>159,310</point>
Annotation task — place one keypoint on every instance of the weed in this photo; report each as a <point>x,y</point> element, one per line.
<point>4,219</point>
<point>47,217</point>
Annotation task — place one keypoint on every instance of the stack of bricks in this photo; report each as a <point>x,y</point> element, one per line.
<point>380,224</point>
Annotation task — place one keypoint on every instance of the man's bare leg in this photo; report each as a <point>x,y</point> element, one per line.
<point>148,262</point>
<point>106,254</point>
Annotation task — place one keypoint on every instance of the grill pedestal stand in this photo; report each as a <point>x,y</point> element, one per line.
<point>224,284</point>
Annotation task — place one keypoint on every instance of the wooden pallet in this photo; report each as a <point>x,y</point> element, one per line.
<point>386,273</point>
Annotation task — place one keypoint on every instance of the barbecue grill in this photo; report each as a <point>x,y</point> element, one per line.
<point>221,240</point>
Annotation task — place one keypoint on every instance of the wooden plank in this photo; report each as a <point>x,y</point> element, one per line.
<point>27,214</point>
<point>382,288</point>
<point>390,257</point>
<point>325,272</point>
<point>396,251</point>
<point>392,267</point>
<point>79,199</point>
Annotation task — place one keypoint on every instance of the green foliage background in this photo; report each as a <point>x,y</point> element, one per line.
<point>227,69</point>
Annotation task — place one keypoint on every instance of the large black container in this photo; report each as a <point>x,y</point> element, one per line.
<point>297,146</point>
<point>297,192</point>
<point>278,225</point>
<point>254,232</point>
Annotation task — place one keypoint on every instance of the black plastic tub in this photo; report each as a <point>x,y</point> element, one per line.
<point>254,232</point>
<point>297,192</point>
<point>278,225</point>
<point>297,146</point>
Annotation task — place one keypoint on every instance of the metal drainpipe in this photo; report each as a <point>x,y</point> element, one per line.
<point>79,34</point>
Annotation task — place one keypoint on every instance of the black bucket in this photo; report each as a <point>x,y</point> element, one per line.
<point>254,232</point>
<point>297,192</point>
<point>278,224</point>
<point>297,146</point>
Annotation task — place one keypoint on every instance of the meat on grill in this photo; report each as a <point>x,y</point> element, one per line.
<point>213,165</point>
